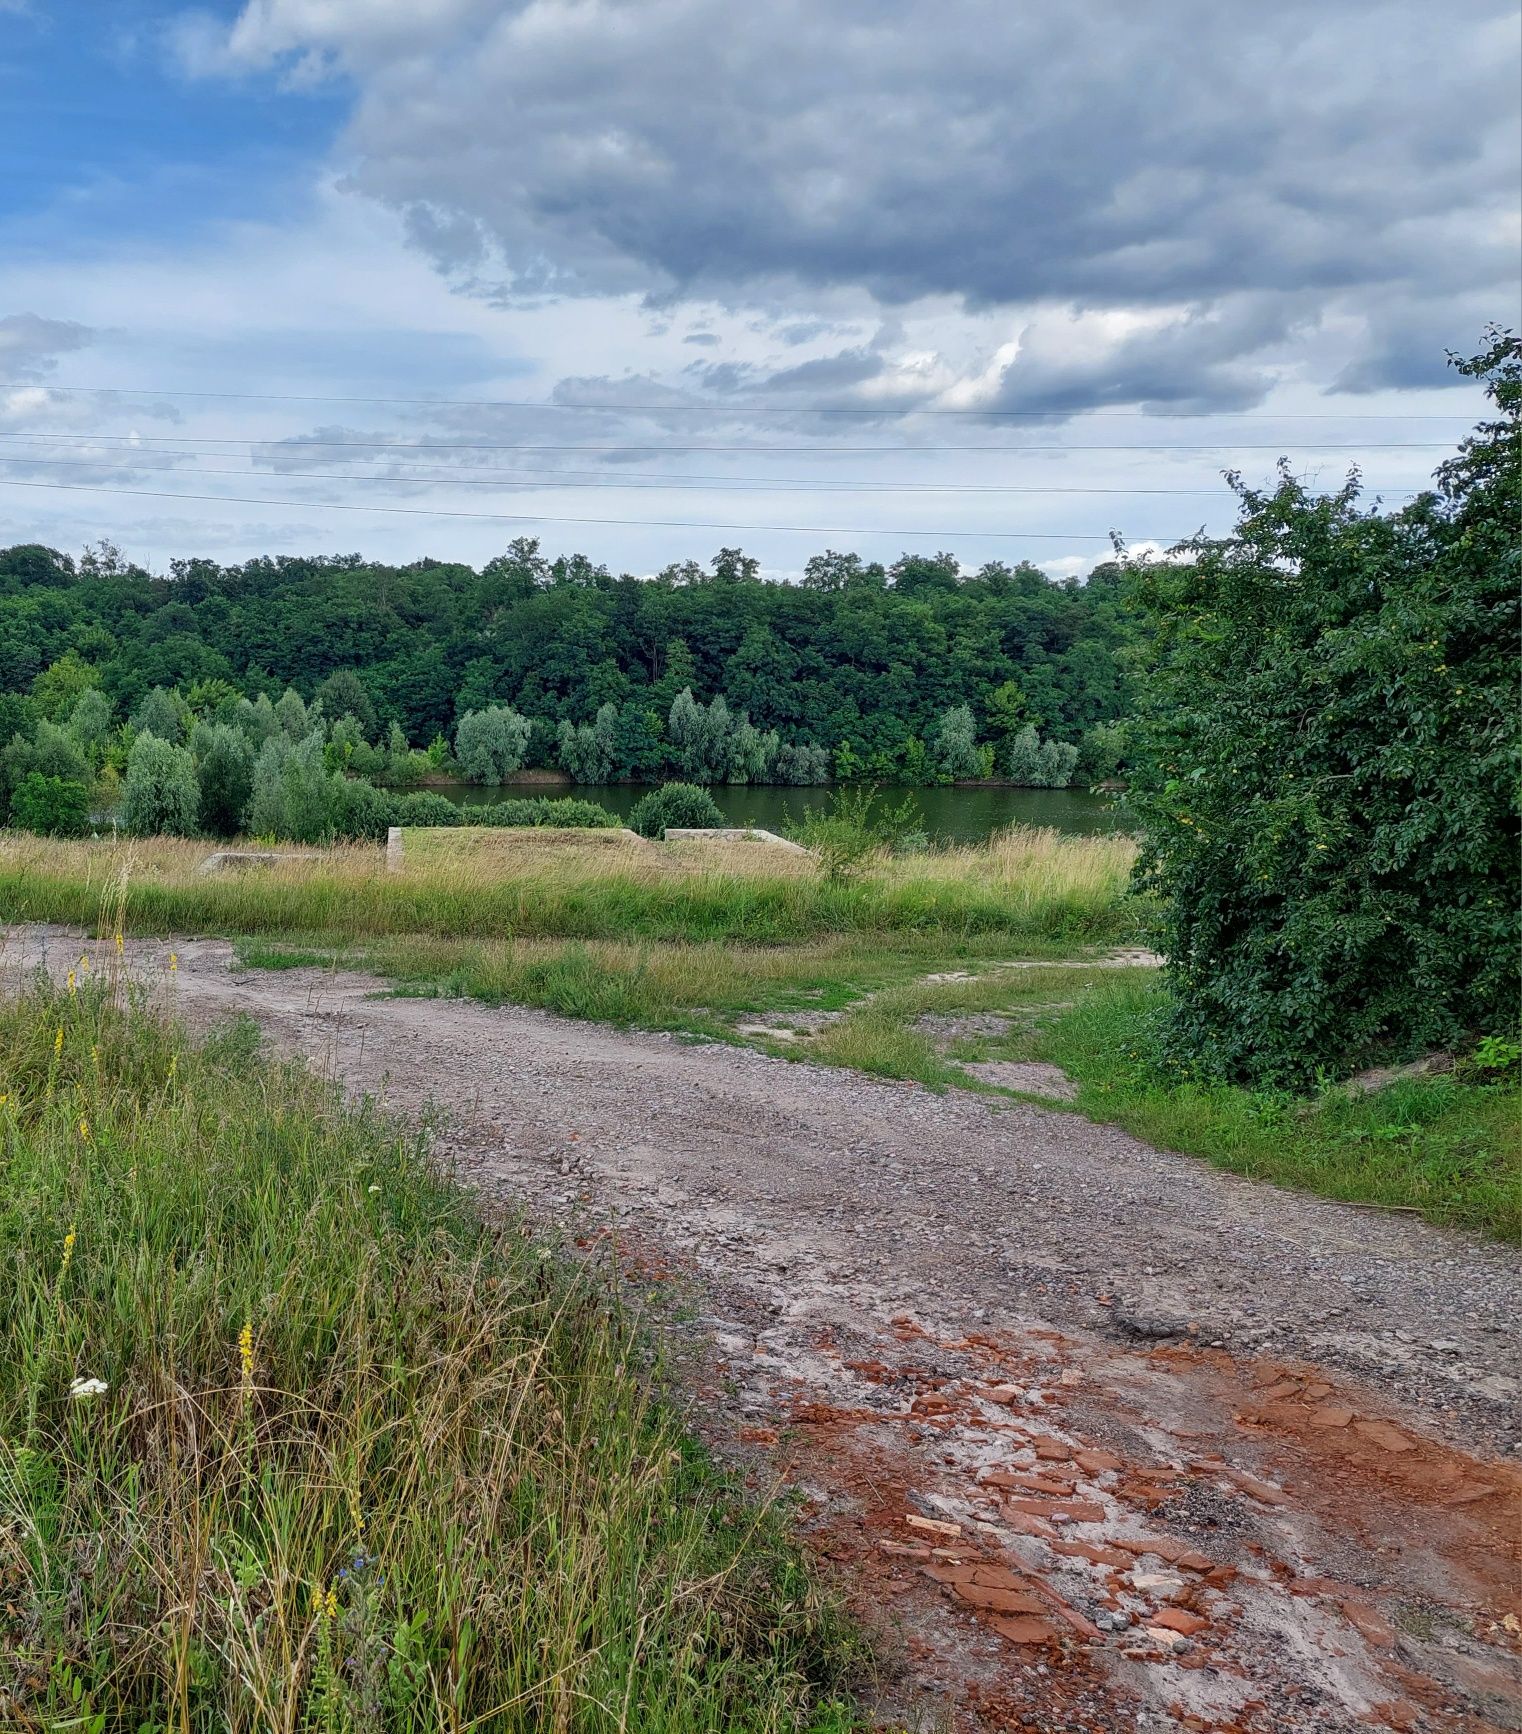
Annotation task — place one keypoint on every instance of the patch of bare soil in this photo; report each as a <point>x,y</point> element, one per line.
<point>1093,1437</point>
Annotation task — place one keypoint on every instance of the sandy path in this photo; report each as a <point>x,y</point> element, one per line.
<point>1031,1330</point>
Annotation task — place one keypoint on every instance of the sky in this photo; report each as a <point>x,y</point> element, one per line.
<point>647,278</point>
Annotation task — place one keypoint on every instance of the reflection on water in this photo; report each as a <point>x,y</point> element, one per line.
<point>951,815</point>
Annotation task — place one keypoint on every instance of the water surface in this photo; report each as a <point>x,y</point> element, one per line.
<point>950,815</point>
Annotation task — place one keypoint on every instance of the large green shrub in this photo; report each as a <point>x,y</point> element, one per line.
<point>51,806</point>
<point>1328,763</point>
<point>361,813</point>
<point>683,805</point>
<point>570,813</point>
<point>160,793</point>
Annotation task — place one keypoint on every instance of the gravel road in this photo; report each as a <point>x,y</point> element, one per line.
<point>813,1206</point>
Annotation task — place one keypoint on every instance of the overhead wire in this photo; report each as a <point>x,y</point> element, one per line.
<point>864,410</point>
<point>556,518</point>
<point>640,479</point>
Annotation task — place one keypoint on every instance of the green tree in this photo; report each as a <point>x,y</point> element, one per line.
<point>1022,759</point>
<point>50,751</point>
<point>1329,764</point>
<point>587,751</point>
<point>224,763</point>
<point>51,806</point>
<point>90,724</point>
<point>161,713</point>
<point>702,737</point>
<point>294,794</point>
<point>160,793</point>
<point>56,690</point>
<point>343,693</point>
<point>956,744</point>
<point>292,715</point>
<point>490,744</point>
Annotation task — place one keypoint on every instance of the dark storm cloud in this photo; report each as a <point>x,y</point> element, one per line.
<point>1247,172</point>
<point>971,148</point>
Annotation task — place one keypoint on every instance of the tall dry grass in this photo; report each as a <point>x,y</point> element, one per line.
<point>530,885</point>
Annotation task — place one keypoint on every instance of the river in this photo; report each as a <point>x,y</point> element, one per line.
<point>953,815</point>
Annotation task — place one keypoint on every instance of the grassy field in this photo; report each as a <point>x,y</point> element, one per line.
<point>292,1439</point>
<point>525,884</point>
<point>705,938</point>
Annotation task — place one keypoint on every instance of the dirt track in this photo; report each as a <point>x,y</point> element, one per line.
<point>1098,1437</point>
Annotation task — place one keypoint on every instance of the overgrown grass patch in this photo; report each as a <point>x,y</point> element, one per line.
<point>1448,1148</point>
<point>1020,885</point>
<point>291,1438</point>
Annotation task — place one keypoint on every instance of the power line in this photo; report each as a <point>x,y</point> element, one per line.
<point>748,450</point>
<point>553,518</point>
<point>630,480</point>
<point>758,409</point>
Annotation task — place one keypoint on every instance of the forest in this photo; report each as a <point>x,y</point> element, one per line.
<point>916,672</point>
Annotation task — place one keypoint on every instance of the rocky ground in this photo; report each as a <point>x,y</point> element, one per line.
<point>1094,1436</point>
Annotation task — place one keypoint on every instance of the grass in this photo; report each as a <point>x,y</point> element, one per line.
<point>548,885</point>
<point>699,936</point>
<point>362,1458</point>
<point>1442,1146</point>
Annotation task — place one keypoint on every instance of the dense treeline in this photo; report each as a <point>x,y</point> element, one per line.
<point>857,671</point>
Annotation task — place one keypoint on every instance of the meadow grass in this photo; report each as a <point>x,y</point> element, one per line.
<point>1447,1146</point>
<point>545,885</point>
<point>350,1456</point>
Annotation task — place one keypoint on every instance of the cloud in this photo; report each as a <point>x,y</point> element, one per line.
<point>1241,174</point>
<point>30,345</point>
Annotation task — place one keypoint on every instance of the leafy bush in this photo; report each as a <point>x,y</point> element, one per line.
<point>1329,763</point>
<point>424,808</point>
<point>160,793</point>
<point>570,813</point>
<point>858,825</point>
<point>682,805</point>
<point>51,806</point>
<point>361,813</point>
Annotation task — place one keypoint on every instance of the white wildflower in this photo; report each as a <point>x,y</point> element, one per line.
<point>88,1388</point>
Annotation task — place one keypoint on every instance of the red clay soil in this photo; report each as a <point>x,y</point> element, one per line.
<point>1047,1533</point>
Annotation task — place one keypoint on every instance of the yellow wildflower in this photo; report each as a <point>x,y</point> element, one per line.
<point>121,945</point>
<point>84,1128</point>
<point>174,961</point>
<point>246,1350</point>
<point>73,984</point>
<point>58,1042</point>
<point>330,1604</point>
<point>68,1249</point>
